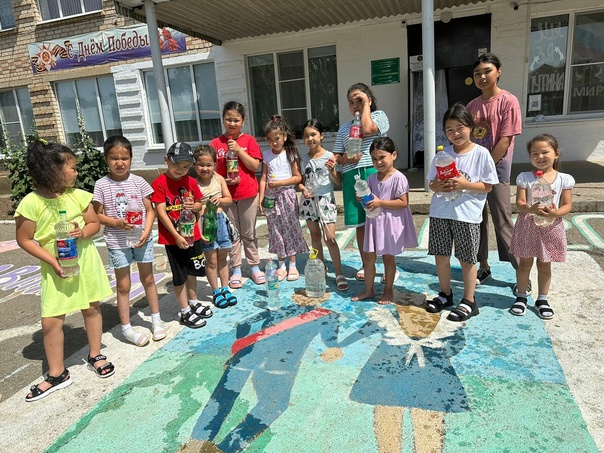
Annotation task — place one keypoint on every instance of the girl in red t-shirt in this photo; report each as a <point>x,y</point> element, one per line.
<point>243,188</point>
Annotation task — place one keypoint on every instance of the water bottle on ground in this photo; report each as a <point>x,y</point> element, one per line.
<point>210,222</point>
<point>355,137</point>
<point>446,169</point>
<point>67,249</point>
<point>364,193</point>
<point>272,285</point>
<point>314,274</point>
<point>186,223</point>
<point>134,216</point>
<point>541,192</point>
<point>268,202</point>
<point>232,164</point>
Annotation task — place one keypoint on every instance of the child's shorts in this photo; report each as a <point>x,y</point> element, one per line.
<point>354,214</point>
<point>223,241</point>
<point>185,262</point>
<point>443,233</point>
<point>328,211</point>
<point>120,258</point>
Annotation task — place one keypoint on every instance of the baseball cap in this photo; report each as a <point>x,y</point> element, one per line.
<point>180,151</point>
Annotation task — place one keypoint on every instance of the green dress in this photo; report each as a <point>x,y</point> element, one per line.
<point>65,295</point>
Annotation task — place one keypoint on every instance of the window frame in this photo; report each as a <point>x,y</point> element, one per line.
<point>99,106</point>
<point>61,16</point>
<point>3,132</point>
<point>567,114</point>
<point>14,24</point>
<point>278,83</point>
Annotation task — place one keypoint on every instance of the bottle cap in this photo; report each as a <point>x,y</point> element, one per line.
<point>439,148</point>
<point>313,253</point>
<point>62,211</point>
<point>539,174</point>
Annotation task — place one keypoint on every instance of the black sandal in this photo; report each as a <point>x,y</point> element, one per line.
<point>464,311</point>
<point>519,307</point>
<point>436,305</point>
<point>102,371</point>
<point>544,311</point>
<point>56,383</point>
<point>203,311</point>
<point>219,300</point>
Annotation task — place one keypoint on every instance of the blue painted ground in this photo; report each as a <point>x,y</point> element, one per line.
<point>340,376</point>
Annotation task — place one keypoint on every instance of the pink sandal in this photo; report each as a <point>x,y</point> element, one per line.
<point>235,282</point>
<point>259,278</point>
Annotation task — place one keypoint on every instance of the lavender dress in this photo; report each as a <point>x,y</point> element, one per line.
<point>393,230</point>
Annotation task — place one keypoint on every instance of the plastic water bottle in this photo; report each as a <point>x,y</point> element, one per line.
<point>446,169</point>
<point>272,285</point>
<point>134,216</point>
<point>541,192</point>
<point>310,185</point>
<point>268,202</point>
<point>365,195</point>
<point>186,223</point>
<point>67,249</point>
<point>355,137</point>
<point>232,164</point>
<point>210,222</point>
<point>314,273</point>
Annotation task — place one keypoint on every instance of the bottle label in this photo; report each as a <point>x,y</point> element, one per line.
<point>134,217</point>
<point>366,199</point>
<point>232,166</point>
<point>450,171</point>
<point>67,249</point>
<point>273,285</point>
<point>355,132</point>
<point>186,229</point>
<point>268,202</point>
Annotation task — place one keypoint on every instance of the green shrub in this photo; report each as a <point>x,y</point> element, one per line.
<point>15,161</point>
<point>91,164</point>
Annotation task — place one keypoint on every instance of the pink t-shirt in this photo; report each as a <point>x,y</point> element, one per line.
<point>248,184</point>
<point>494,118</point>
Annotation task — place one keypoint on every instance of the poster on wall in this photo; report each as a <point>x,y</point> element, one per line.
<point>90,49</point>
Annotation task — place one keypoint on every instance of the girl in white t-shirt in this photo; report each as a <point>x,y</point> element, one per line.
<point>112,193</point>
<point>278,201</point>
<point>546,243</point>
<point>457,222</point>
<point>319,204</point>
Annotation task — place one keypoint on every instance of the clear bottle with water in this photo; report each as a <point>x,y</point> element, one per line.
<point>446,168</point>
<point>314,274</point>
<point>268,202</point>
<point>541,193</point>
<point>186,223</point>
<point>67,248</point>
<point>355,137</point>
<point>364,193</point>
<point>134,217</point>
<point>272,285</point>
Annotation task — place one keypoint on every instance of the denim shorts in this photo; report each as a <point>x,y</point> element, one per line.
<point>223,240</point>
<point>119,258</point>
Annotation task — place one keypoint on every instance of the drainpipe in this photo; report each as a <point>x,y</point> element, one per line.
<point>158,74</point>
<point>429,86</point>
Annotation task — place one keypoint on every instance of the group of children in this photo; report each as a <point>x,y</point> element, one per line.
<point>237,198</point>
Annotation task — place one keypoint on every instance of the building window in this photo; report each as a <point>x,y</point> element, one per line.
<point>566,65</point>
<point>55,9</point>
<point>299,85</point>
<point>98,104</point>
<point>7,20</point>
<point>193,100</point>
<point>16,116</point>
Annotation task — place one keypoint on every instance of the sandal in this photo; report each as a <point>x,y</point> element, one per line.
<point>138,338</point>
<point>230,298</point>
<point>396,276</point>
<point>259,278</point>
<point>56,383</point>
<point>102,371</point>
<point>191,320</point>
<point>544,311</point>
<point>293,275</point>
<point>360,276</point>
<point>159,332</point>
<point>436,305</point>
<point>235,281</point>
<point>281,274</point>
<point>203,311</point>
<point>341,283</point>
<point>464,311</point>
<point>519,307</point>
<point>219,300</point>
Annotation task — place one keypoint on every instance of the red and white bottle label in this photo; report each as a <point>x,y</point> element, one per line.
<point>450,171</point>
<point>134,218</point>
<point>355,132</point>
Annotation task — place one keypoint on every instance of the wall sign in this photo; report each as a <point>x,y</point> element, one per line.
<point>386,71</point>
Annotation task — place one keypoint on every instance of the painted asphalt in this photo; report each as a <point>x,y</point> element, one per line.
<point>338,376</point>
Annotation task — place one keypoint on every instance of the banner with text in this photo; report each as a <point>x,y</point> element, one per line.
<point>102,47</point>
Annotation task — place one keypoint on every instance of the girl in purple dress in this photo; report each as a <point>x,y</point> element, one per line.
<point>392,230</point>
